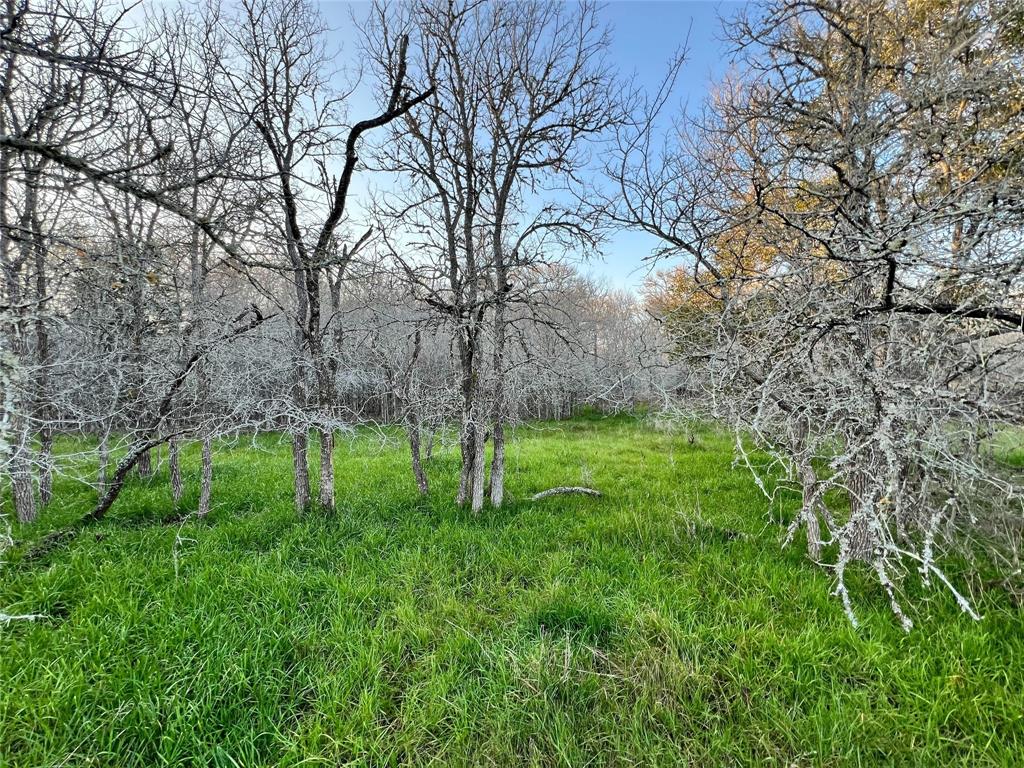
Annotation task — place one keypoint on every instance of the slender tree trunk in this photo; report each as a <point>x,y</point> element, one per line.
<point>299,393</point>
<point>112,489</point>
<point>300,469</point>
<point>137,331</point>
<point>498,464</point>
<point>45,464</point>
<point>174,461</point>
<point>20,464</point>
<point>12,262</point>
<point>467,447</point>
<point>413,428</point>
<point>206,479</point>
<point>479,467</point>
<point>809,509</point>
<point>44,410</point>
<point>300,438</point>
<point>498,434</point>
<point>104,470</point>
<point>809,487</point>
<point>198,272</point>
<point>327,468</point>
<point>470,428</point>
<point>325,400</point>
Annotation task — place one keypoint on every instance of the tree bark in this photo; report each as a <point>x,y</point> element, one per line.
<point>470,427</point>
<point>20,465</point>
<point>144,465</point>
<point>467,447</point>
<point>479,467</point>
<point>300,470</point>
<point>206,479</point>
<point>22,487</point>
<point>809,509</point>
<point>174,460</point>
<point>44,409</point>
<point>413,428</point>
<point>104,469</point>
<point>113,489</point>
<point>45,464</point>
<point>498,431</point>
<point>809,487</point>
<point>498,464</point>
<point>327,468</point>
<point>198,273</point>
<point>858,535</point>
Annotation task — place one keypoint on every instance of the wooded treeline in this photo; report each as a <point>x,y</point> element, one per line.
<point>182,261</point>
<point>186,256</point>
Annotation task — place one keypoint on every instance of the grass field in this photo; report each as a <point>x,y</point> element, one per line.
<point>658,625</point>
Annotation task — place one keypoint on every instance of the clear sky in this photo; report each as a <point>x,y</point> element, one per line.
<point>646,34</point>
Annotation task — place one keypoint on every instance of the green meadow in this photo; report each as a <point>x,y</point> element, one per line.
<point>661,624</point>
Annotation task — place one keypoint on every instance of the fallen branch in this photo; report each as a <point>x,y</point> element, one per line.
<point>6,618</point>
<point>566,489</point>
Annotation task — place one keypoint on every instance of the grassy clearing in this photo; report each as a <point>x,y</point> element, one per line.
<point>627,630</point>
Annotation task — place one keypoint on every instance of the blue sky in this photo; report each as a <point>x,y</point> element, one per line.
<point>645,36</point>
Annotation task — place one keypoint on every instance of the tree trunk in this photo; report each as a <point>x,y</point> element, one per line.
<point>858,535</point>
<point>45,465</point>
<point>174,460</point>
<point>300,469</point>
<point>467,340</point>
<point>113,489</point>
<point>809,487</point>
<point>206,479</point>
<point>144,465</point>
<point>22,487</point>
<point>809,509</point>
<point>104,450</point>
<point>498,361</point>
<point>20,466</point>
<point>467,446</point>
<point>327,468</point>
<point>42,377</point>
<point>479,466</point>
<point>413,428</point>
<point>198,271</point>
<point>498,464</point>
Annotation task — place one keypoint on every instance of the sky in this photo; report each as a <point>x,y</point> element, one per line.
<point>645,36</point>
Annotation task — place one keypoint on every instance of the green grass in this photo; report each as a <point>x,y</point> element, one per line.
<point>659,625</point>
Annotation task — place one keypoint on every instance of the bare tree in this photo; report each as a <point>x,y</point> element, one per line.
<point>43,103</point>
<point>281,84</point>
<point>87,115</point>
<point>520,90</point>
<point>850,208</point>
